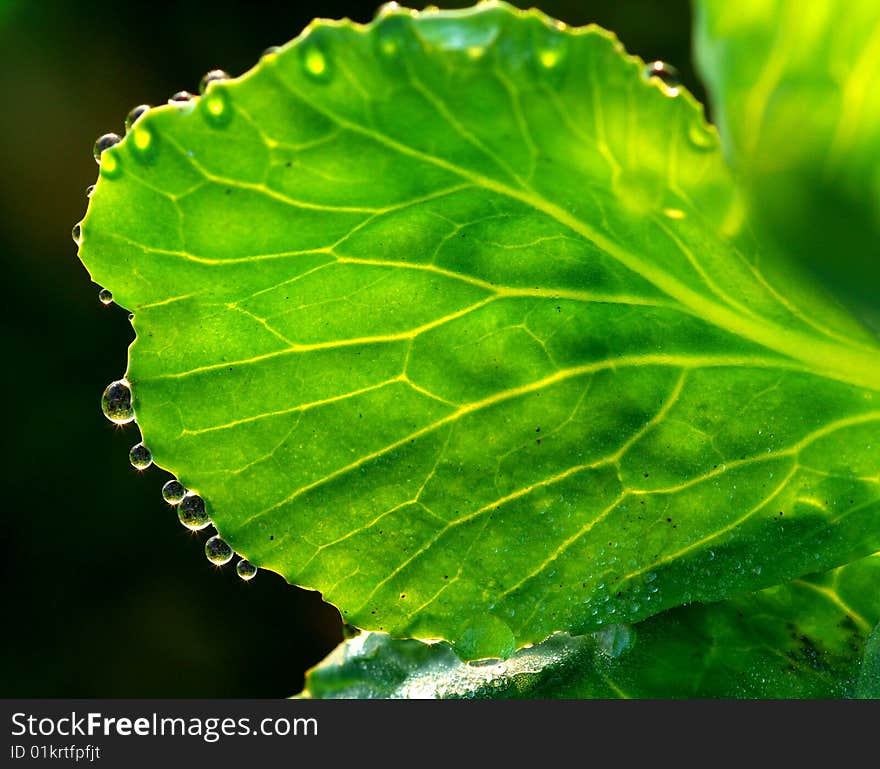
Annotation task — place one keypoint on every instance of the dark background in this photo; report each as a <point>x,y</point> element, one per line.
<point>105,594</point>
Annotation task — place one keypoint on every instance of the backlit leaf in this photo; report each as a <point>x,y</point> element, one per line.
<point>455,318</point>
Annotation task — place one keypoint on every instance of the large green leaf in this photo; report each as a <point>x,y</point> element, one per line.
<point>454,317</point>
<point>802,639</point>
<point>793,90</point>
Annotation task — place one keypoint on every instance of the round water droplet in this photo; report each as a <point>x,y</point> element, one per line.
<point>140,457</point>
<point>210,77</point>
<point>272,50</point>
<point>131,117</point>
<point>116,402</point>
<point>387,8</point>
<point>104,142</point>
<point>173,492</point>
<point>217,551</point>
<point>76,233</point>
<point>246,570</point>
<point>666,73</point>
<point>192,514</point>
<point>105,296</point>
<point>181,97</point>
<point>89,190</point>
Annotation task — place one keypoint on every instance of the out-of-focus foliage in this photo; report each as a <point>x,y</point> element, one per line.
<point>793,88</point>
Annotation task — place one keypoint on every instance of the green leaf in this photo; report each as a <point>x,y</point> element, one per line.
<point>799,640</point>
<point>793,89</point>
<point>454,317</point>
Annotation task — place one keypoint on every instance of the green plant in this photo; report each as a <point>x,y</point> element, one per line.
<point>461,319</point>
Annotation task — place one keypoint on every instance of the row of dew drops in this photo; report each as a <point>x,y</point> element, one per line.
<point>116,401</point>
<point>108,140</point>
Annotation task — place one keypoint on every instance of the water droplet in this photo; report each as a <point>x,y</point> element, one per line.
<point>211,77</point>
<point>173,492</point>
<point>314,61</point>
<point>181,97</point>
<point>217,551</point>
<point>105,296</point>
<point>140,457</point>
<point>272,50</point>
<point>76,233</point>
<point>89,190</point>
<point>192,514</point>
<point>131,117</point>
<point>666,74</point>
<point>116,402</point>
<point>387,8</point>
<point>246,570</point>
<point>104,142</point>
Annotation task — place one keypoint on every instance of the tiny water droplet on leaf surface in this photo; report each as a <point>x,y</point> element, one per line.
<point>210,77</point>
<point>217,551</point>
<point>173,492</point>
<point>181,97</point>
<point>246,570</point>
<point>140,457</point>
<point>131,117</point>
<point>104,143</point>
<point>116,402</point>
<point>105,296</point>
<point>192,513</point>
<point>666,73</point>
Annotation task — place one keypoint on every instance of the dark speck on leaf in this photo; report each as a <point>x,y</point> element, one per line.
<point>271,536</point>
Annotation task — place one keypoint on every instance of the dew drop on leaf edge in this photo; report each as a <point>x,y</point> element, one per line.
<point>214,75</point>
<point>181,97</point>
<point>192,514</point>
<point>104,143</point>
<point>140,457</point>
<point>116,402</point>
<point>246,570</point>
<point>666,73</point>
<point>173,492</point>
<point>76,233</point>
<point>105,296</point>
<point>218,551</point>
<point>134,114</point>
